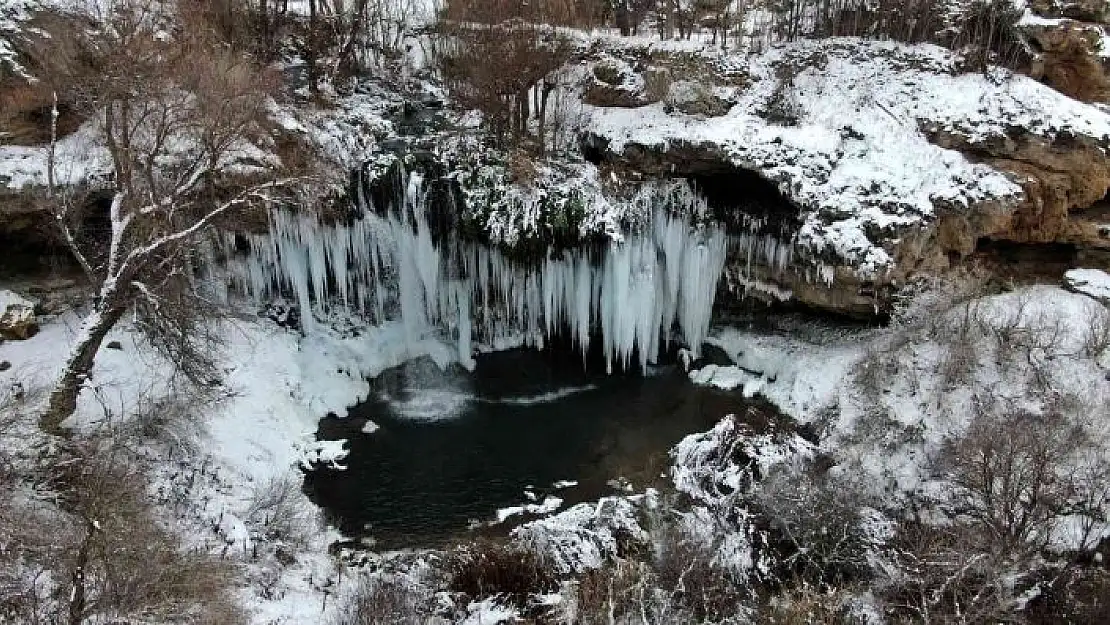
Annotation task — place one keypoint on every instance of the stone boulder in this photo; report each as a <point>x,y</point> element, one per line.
<point>695,98</point>
<point>17,317</point>
<point>1070,58</point>
<point>1090,282</point>
<point>614,83</point>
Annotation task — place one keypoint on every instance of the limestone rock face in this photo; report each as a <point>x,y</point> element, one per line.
<point>876,191</point>
<point>1062,176</point>
<point>17,317</point>
<point>694,98</point>
<point>1070,58</point>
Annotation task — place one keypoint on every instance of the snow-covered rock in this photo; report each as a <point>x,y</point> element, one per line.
<point>1092,282</point>
<point>586,535</point>
<point>894,160</point>
<point>713,466</point>
<point>17,317</point>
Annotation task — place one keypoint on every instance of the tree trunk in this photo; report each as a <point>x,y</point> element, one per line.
<point>525,112</point>
<point>63,399</point>
<point>264,24</point>
<point>347,55</point>
<point>77,598</point>
<point>545,94</point>
<point>311,52</point>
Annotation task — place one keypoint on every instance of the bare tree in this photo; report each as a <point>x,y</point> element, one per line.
<point>172,112</point>
<point>1014,472</point>
<point>502,63</point>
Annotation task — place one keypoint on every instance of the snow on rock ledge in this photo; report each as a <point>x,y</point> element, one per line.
<point>712,466</point>
<point>586,535</point>
<point>850,151</point>
<point>1091,282</point>
<point>17,317</point>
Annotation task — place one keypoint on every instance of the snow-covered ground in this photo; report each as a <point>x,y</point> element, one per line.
<point>260,431</point>
<point>885,401</point>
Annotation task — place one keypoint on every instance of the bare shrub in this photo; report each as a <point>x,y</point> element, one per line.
<point>782,107</point>
<point>483,569</point>
<point>496,59</point>
<point>910,21</point>
<point>960,362</point>
<point>1096,331</point>
<point>34,539</point>
<point>279,509</point>
<point>625,591</point>
<point>872,372</point>
<point>170,418</point>
<point>694,579</point>
<point>79,543</point>
<point>1014,471</point>
<point>1076,594</point>
<point>941,576</point>
<point>803,605</point>
<point>385,601</point>
<point>818,527</point>
<point>986,32</point>
<point>121,562</point>
<point>684,581</point>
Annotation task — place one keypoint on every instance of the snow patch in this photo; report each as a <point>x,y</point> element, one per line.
<point>1092,282</point>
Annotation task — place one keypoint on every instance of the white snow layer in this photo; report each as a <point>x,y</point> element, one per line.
<point>277,385</point>
<point>856,160</point>
<point>888,429</point>
<point>658,277</point>
<point>1092,282</point>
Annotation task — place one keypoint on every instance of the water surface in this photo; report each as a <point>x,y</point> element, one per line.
<point>453,447</point>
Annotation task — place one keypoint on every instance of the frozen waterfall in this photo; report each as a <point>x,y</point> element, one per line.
<point>635,295</point>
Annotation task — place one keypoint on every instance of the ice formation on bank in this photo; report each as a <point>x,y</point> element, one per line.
<point>631,294</point>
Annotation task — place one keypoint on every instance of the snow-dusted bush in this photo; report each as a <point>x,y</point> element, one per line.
<point>703,577</point>
<point>486,569</point>
<point>281,512</point>
<point>625,591</point>
<point>1096,331</point>
<point>80,543</point>
<point>682,582</point>
<point>937,575</point>
<point>824,530</point>
<point>1019,476</point>
<point>587,535</point>
<point>386,600</point>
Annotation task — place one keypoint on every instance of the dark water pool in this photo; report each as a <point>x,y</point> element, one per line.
<point>453,447</point>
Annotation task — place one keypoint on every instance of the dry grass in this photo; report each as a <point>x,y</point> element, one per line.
<point>804,605</point>
<point>486,568</point>
<point>385,601</point>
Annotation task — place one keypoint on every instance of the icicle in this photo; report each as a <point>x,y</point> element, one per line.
<point>658,278</point>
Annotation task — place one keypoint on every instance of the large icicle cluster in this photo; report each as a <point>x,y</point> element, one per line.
<point>632,294</point>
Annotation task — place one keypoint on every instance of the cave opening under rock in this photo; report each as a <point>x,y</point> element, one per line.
<point>745,201</point>
<point>1027,262</point>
